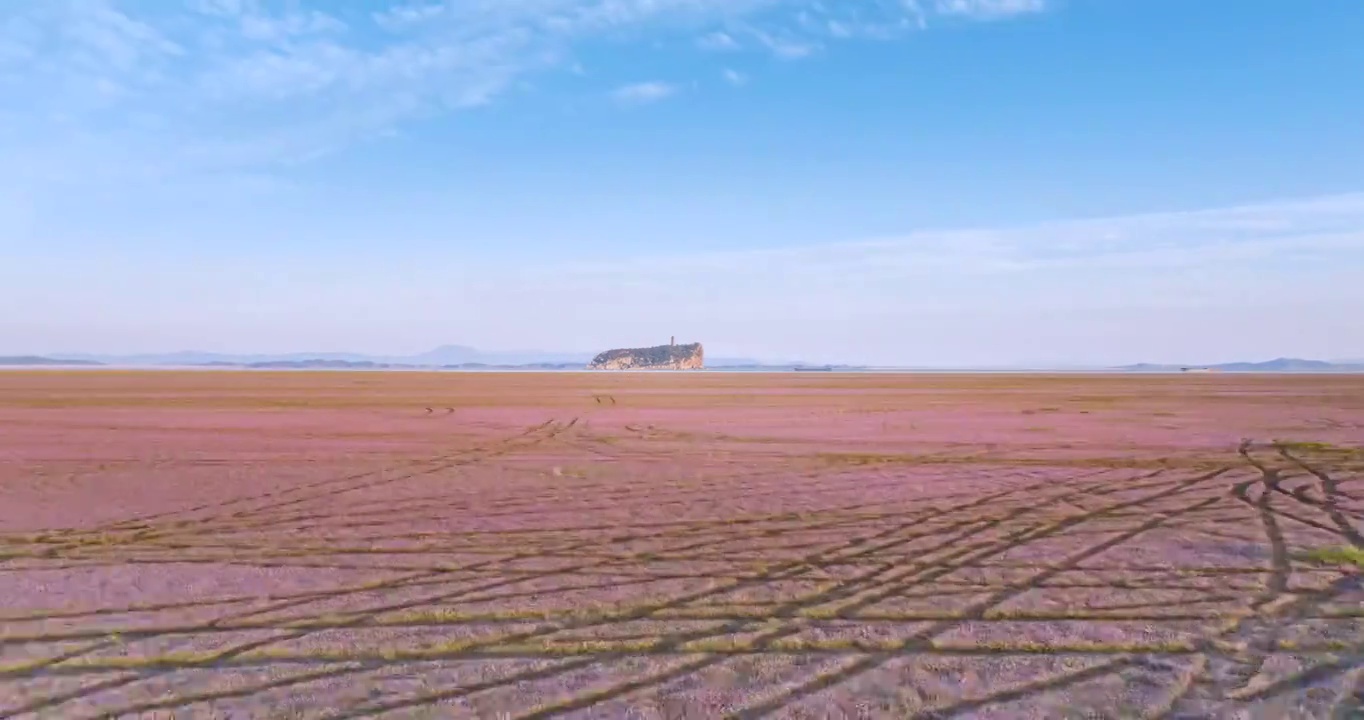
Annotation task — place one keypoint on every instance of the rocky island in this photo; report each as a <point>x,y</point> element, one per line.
<point>661,357</point>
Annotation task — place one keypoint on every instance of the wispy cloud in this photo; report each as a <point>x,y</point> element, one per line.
<point>734,77</point>
<point>1201,247</point>
<point>786,45</point>
<point>245,83</point>
<point>988,9</point>
<point>1179,287</point>
<point>403,16</point>
<point>644,92</point>
<point>1222,284</point>
<point>807,27</point>
<point>718,41</point>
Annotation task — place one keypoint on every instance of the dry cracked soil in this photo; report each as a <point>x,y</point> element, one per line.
<point>707,545</point>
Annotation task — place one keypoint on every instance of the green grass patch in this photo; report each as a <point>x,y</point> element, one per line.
<point>1307,446</point>
<point>1336,556</point>
<point>636,646</point>
<point>1138,463</point>
<point>1312,447</point>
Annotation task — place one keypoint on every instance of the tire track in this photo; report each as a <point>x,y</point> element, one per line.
<point>784,571</point>
<point>361,616</point>
<point>1331,502</point>
<point>921,640</point>
<point>139,527</point>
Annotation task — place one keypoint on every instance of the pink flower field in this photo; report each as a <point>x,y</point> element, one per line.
<point>680,545</point>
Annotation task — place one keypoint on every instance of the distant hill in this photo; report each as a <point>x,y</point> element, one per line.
<point>40,361</point>
<point>1277,365</point>
<point>191,358</point>
<point>527,366</point>
<point>461,357</point>
<point>460,354</point>
<point>445,356</point>
<point>319,365</point>
<point>437,357</point>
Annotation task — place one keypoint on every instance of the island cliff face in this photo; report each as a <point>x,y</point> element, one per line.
<point>661,357</point>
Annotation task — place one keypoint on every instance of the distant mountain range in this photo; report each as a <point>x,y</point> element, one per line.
<point>1278,365</point>
<point>459,357</point>
<point>40,361</point>
<point>445,356</point>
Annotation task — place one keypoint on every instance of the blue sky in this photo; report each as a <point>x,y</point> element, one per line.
<point>890,181</point>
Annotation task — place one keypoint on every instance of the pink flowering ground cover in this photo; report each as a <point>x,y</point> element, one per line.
<point>679,545</point>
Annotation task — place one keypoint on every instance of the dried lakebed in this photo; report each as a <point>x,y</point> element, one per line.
<point>337,545</point>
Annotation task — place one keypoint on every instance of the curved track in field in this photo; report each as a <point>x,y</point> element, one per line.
<point>502,580</point>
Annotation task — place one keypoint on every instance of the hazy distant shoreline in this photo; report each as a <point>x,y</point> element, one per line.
<point>57,366</point>
<point>460,358</point>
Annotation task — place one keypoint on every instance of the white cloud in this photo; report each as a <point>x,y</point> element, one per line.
<point>1249,282</point>
<point>400,17</point>
<point>101,34</point>
<point>1200,247</point>
<point>718,40</point>
<point>989,9</point>
<point>1178,287</point>
<point>785,46</point>
<point>644,92</point>
<point>266,28</point>
<point>221,8</point>
<point>810,25</point>
<point>253,74</point>
<point>734,77</point>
